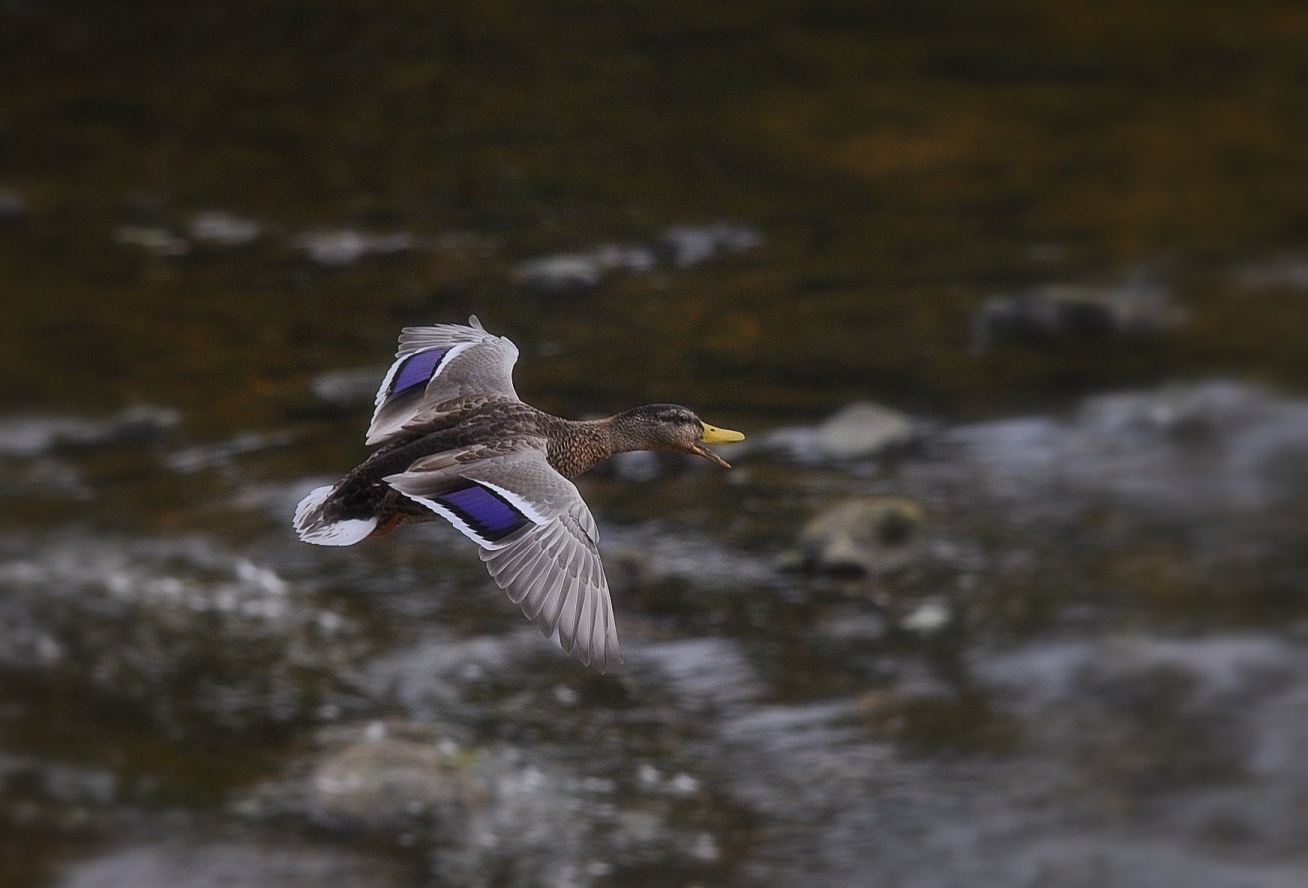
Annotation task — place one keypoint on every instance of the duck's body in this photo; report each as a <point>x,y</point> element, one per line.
<point>457,443</point>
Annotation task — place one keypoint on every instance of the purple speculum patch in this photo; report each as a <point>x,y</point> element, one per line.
<point>417,370</point>
<point>483,510</point>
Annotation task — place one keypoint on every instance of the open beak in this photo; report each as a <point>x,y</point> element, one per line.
<point>715,435</point>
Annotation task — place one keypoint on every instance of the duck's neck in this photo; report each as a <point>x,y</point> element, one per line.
<point>582,445</point>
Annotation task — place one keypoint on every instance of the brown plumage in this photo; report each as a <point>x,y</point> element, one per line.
<point>457,443</point>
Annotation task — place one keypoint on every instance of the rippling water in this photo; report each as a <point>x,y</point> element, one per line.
<point>1037,620</point>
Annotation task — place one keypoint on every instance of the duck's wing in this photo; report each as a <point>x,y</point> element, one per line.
<point>537,538</point>
<point>438,364</point>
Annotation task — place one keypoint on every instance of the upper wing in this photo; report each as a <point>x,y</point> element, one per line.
<point>537,537</point>
<point>438,364</point>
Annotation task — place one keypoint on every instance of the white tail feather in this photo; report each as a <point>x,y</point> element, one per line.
<point>313,527</point>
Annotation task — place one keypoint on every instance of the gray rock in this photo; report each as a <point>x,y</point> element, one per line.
<point>862,430</point>
<point>871,535</point>
<point>388,778</point>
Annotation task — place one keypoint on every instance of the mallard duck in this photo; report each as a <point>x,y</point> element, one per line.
<point>455,442</point>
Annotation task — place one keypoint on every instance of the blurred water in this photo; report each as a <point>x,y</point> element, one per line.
<point>1040,621</point>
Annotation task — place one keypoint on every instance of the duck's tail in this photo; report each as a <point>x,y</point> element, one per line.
<point>318,523</point>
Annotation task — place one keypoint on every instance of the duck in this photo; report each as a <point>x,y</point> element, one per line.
<point>455,442</point>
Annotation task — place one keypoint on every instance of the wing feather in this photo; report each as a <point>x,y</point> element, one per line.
<point>462,362</point>
<point>544,576</point>
<point>570,618</point>
<point>505,570</point>
<point>551,567</point>
<point>549,615</point>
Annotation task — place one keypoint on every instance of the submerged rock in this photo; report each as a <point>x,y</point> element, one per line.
<point>872,535</point>
<point>1065,313</point>
<point>389,778</point>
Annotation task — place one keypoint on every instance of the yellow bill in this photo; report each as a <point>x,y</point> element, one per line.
<point>715,435</point>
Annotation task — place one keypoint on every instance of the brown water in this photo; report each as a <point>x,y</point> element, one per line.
<point>1087,665</point>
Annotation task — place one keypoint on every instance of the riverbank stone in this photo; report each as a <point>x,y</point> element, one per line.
<point>859,536</point>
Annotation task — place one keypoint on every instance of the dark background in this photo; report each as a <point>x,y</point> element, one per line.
<point>803,205</point>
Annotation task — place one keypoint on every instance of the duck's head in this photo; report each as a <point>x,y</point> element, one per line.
<point>669,427</point>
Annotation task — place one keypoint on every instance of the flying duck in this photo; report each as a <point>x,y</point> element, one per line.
<point>455,442</point>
